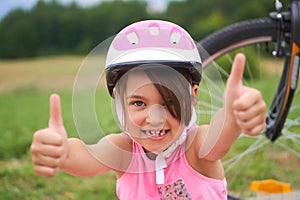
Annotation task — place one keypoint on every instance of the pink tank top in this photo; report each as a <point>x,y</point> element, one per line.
<point>181,180</point>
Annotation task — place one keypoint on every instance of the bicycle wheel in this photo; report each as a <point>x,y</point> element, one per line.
<point>257,158</point>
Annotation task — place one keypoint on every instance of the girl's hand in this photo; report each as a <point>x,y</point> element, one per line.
<point>49,146</point>
<point>244,106</point>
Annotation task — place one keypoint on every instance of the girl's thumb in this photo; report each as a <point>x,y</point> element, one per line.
<point>55,121</point>
<point>237,70</point>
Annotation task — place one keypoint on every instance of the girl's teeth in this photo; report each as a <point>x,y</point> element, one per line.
<point>156,133</point>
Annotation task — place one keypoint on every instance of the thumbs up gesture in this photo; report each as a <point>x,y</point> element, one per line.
<point>244,106</point>
<point>49,146</point>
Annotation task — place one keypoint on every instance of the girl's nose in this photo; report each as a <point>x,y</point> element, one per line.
<point>157,115</point>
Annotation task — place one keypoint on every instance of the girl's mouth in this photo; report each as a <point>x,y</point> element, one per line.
<point>156,133</point>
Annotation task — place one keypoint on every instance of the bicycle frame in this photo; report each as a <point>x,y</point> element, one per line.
<point>288,83</point>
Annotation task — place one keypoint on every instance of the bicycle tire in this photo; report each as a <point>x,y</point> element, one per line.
<point>238,35</point>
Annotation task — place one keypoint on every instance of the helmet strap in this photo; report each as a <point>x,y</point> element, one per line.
<point>160,162</point>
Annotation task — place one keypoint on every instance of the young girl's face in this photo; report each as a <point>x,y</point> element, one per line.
<point>147,119</point>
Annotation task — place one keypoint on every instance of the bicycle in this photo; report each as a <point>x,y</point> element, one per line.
<point>281,32</point>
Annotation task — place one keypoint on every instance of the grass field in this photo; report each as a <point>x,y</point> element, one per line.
<point>25,87</point>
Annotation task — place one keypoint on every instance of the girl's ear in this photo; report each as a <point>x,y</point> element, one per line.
<point>195,89</point>
<point>114,92</point>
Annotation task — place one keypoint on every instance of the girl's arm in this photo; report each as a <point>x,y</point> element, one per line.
<point>52,150</point>
<point>244,111</point>
<point>112,152</point>
<point>80,162</point>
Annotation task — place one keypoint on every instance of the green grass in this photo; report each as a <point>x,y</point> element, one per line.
<point>22,113</point>
<point>25,87</point>
<point>24,108</point>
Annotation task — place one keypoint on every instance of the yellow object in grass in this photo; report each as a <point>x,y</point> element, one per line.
<point>270,186</point>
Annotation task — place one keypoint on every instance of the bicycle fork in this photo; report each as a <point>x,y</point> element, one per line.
<point>284,96</point>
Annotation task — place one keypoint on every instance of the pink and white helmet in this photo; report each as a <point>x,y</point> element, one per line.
<point>152,41</point>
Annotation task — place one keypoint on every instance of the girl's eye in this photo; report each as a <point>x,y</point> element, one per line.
<point>138,103</point>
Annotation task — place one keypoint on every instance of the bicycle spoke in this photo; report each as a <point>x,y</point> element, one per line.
<point>210,107</point>
<point>212,95</point>
<point>260,142</point>
<point>286,147</point>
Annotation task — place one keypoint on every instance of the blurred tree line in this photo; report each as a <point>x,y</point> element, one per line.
<point>51,28</point>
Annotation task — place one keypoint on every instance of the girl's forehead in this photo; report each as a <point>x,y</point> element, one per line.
<point>136,79</point>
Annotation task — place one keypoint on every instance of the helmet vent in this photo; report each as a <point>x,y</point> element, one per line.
<point>132,38</point>
<point>175,37</point>
<point>154,30</point>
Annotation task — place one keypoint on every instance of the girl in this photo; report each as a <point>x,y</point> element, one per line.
<point>153,74</point>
